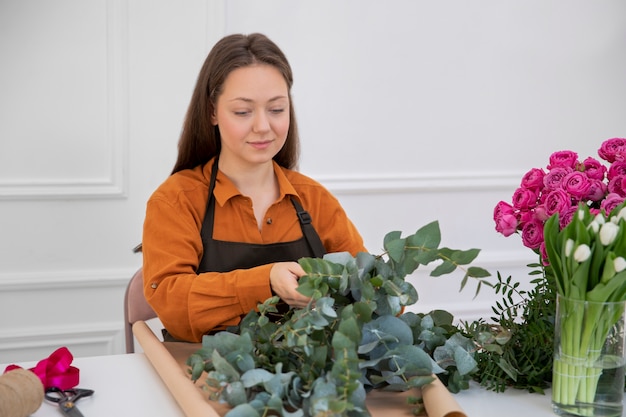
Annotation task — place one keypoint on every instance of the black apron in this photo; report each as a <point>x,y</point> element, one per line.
<point>225,256</point>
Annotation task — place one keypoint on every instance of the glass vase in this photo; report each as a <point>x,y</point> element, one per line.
<point>588,367</point>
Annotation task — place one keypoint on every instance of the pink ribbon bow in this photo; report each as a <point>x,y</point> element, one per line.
<point>55,370</point>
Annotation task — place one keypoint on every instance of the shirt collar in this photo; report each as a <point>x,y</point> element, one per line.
<point>225,189</point>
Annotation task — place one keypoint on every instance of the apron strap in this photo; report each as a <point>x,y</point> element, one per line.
<point>311,236</point>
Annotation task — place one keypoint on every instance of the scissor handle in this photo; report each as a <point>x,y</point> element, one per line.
<point>56,394</point>
<point>81,393</point>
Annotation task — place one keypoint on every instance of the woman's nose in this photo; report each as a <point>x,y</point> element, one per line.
<point>261,122</point>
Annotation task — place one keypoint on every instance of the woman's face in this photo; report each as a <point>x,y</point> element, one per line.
<point>252,114</point>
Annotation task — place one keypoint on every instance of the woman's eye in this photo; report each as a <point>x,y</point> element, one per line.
<point>241,113</point>
<point>277,111</point>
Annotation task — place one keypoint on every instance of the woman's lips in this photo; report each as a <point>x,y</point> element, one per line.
<point>261,144</point>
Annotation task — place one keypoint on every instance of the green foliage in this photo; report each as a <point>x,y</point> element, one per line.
<point>353,337</point>
<point>515,348</point>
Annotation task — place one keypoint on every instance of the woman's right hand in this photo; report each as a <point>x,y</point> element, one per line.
<point>284,278</point>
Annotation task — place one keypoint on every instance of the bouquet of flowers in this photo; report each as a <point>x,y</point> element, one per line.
<point>572,215</point>
<point>588,263</point>
<point>566,183</point>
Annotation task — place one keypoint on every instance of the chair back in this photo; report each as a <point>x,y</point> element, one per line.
<point>135,308</point>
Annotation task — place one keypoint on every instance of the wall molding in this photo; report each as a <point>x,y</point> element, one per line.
<point>36,343</point>
<point>438,182</point>
<point>60,280</point>
<point>102,333</point>
<point>115,185</point>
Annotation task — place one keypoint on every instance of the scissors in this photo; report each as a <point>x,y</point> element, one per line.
<point>66,398</point>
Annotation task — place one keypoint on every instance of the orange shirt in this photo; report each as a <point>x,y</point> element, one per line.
<point>190,304</point>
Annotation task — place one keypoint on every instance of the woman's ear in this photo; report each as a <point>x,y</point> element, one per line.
<point>213,118</point>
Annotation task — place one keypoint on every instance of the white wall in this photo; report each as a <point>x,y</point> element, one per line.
<point>410,111</point>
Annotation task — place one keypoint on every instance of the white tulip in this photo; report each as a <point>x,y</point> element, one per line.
<point>595,226</point>
<point>608,233</point>
<point>582,253</point>
<point>622,214</point>
<point>569,246</point>
<point>619,264</point>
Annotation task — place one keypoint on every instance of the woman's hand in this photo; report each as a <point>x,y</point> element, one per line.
<point>284,281</point>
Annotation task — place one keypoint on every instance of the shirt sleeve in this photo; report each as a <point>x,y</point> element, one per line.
<point>190,304</point>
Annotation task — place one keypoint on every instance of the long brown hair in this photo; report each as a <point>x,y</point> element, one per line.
<point>200,140</point>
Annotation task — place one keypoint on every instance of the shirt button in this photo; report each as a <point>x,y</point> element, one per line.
<point>269,220</point>
<point>153,285</point>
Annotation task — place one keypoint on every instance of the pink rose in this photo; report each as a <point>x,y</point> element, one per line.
<point>532,234</point>
<point>557,201</point>
<point>533,179</point>
<point>594,169</point>
<point>616,185</point>
<point>597,190</point>
<point>613,150</point>
<point>566,216</point>
<point>617,168</point>
<point>524,198</point>
<point>540,213</point>
<point>507,225</point>
<point>563,159</point>
<point>610,202</point>
<point>504,216</point>
<point>554,179</point>
<point>577,184</point>
<point>524,216</point>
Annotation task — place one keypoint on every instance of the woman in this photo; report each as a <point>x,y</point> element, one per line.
<point>223,233</point>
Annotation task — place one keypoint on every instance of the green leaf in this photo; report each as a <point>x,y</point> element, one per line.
<point>223,367</point>
<point>243,410</point>
<point>508,368</point>
<point>395,249</point>
<point>441,317</point>
<point>477,272</point>
<point>255,377</point>
<point>412,359</point>
<point>465,362</point>
<point>346,336</point>
<point>428,236</point>
<point>325,306</point>
<point>424,257</point>
<point>464,257</point>
<point>389,328</point>
<point>391,236</point>
<point>445,267</point>
<point>235,393</point>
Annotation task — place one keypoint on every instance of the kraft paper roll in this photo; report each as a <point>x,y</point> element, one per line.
<point>439,402</point>
<point>177,381</point>
<point>21,393</point>
<point>169,361</point>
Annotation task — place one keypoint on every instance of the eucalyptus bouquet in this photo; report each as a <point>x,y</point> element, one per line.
<point>353,337</point>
